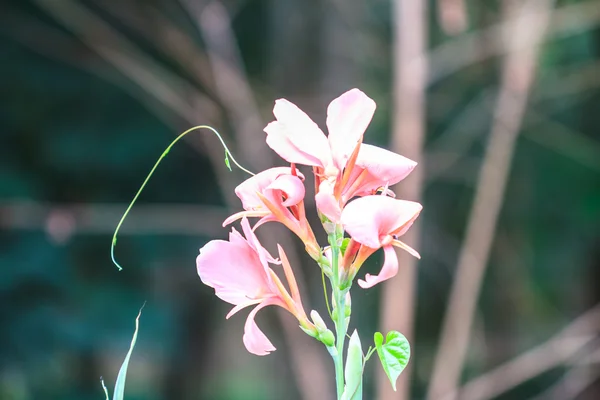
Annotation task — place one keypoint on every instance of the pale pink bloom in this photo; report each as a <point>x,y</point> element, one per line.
<point>277,194</point>
<point>377,222</point>
<point>297,139</point>
<point>238,270</point>
<point>343,166</point>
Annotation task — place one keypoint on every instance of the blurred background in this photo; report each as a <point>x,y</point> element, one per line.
<point>498,100</point>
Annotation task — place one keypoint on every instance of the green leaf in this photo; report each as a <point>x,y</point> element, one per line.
<point>394,354</point>
<point>354,369</point>
<point>104,388</point>
<point>344,245</point>
<point>227,161</point>
<point>120,384</point>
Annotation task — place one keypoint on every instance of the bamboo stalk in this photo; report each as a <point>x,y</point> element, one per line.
<point>517,77</point>
<point>398,294</point>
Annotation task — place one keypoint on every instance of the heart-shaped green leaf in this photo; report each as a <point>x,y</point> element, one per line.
<point>394,354</point>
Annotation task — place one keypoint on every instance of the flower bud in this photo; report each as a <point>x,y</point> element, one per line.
<point>327,338</point>
<point>348,309</point>
<point>324,335</point>
<point>310,332</point>
<point>318,321</point>
<point>347,306</point>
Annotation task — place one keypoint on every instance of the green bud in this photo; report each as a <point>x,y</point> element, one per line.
<point>329,226</point>
<point>309,332</point>
<point>348,309</point>
<point>324,335</point>
<point>327,338</point>
<point>318,321</point>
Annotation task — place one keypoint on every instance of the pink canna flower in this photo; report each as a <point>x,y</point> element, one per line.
<point>376,222</point>
<point>277,194</point>
<point>238,270</point>
<point>297,139</point>
<point>343,166</point>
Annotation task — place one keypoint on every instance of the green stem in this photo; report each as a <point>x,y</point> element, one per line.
<point>340,320</point>
<point>340,326</point>
<point>163,155</point>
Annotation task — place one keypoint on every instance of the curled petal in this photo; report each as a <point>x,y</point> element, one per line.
<point>264,220</point>
<point>326,202</point>
<point>295,137</point>
<point>407,248</point>
<point>347,119</point>
<point>254,339</point>
<point>247,190</point>
<point>389,270</point>
<point>372,219</point>
<point>291,186</point>
<point>241,306</point>
<point>234,217</point>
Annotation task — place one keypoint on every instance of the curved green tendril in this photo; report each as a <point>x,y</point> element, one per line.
<point>163,155</point>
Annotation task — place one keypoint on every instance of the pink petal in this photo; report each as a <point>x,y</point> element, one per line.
<point>241,306</point>
<point>264,220</point>
<point>347,119</point>
<point>326,202</point>
<point>295,137</point>
<point>407,248</point>
<point>383,164</point>
<point>384,168</point>
<point>370,219</point>
<point>254,339</point>
<point>291,186</point>
<point>247,190</point>
<point>277,139</point>
<point>263,255</point>
<point>389,270</point>
<point>239,215</point>
<point>234,270</point>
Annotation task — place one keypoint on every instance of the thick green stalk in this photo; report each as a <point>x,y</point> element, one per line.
<point>340,317</point>
<point>340,326</point>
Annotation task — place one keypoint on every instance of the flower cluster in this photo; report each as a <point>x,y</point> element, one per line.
<point>352,183</point>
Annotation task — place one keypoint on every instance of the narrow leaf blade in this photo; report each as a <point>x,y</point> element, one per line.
<point>354,369</point>
<point>104,388</point>
<point>121,377</point>
<point>394,354</point>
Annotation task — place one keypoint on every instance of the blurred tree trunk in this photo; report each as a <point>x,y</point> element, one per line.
<point>340,25</point>
<point>293,47</point>
<point>517,77</point>
<point>410,71</point>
